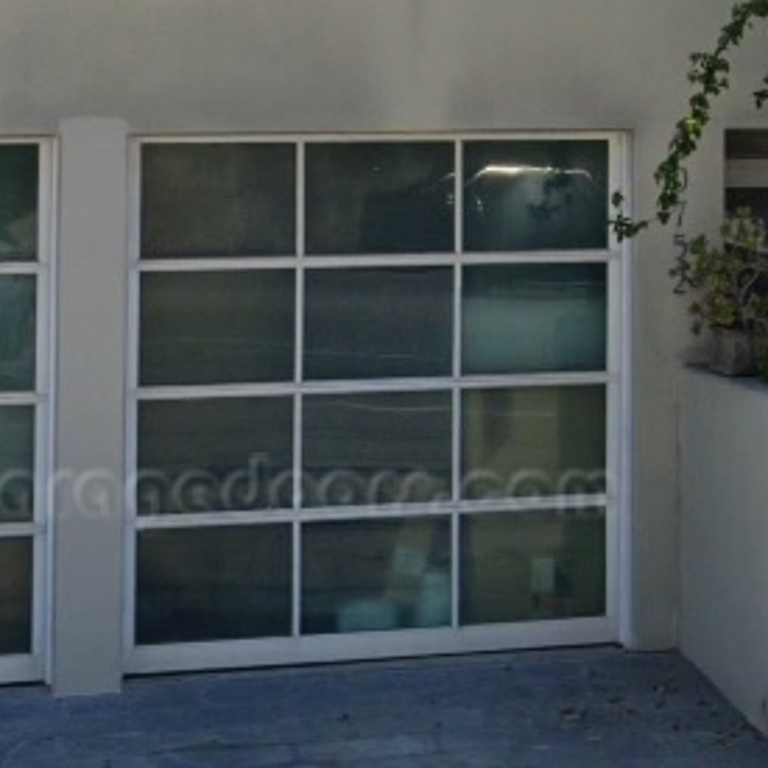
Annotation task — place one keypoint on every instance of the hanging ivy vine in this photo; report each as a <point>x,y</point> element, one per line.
<point>710,76</point>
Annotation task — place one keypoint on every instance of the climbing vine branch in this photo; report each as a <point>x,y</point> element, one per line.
<point>710,76</point>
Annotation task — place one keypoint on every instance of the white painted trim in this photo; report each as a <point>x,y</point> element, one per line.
<point>20,669</point>
<point>625,586</point>
<point>132,406</point>
<point>49,245</point>
<point>449,137</point>
<point>367,645</point>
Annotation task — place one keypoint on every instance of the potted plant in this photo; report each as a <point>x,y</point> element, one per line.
<point>729,285</point>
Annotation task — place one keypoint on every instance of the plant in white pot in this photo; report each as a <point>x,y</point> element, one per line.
<point>728,282</point>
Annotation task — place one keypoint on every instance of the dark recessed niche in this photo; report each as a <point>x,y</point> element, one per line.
<point>746,144</point>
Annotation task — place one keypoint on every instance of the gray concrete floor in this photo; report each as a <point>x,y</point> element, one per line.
<point>578,707</point>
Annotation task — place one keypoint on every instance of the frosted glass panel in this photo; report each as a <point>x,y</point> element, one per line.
<point>374,575</point>
<point>380,197</point>
<point>534,195</point>
<point>18,202</point>
<point>213,584</point>
<point>217,200</point>
<point>217,327</point>
<point>17,455</point>
<point>531,318</point>
<point>377,448</point>
<point>17,333</point>
<point>376,323</point>
<point>532,566</point>
<point>219,454</point>
<point>533,441</point>
<point>15,595</point>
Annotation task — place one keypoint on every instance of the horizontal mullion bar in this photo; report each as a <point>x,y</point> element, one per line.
<point>390,136</point>
<point>20,268</point>
<point>319,514</point>
<point>482,381</point>
<point>341,261</point>
<point>354,386</point>
<point>538,257</point>
<point>215,263</point>
<point>20,530</point>
<point>22,398</point>
<point>214,519</point>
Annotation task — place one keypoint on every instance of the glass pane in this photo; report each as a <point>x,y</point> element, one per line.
<point>375,575</point>
<point>220,454</point>
<point>526,318</point>
<point>18,202</point>
<point>377,448</point>
<point>213,584</point>
<point>375,323</point>
<point>532,566</point>
<point>218,200</point>
<point>17,333</point>
<point>17,456</point>
<point>389,197</point>
<point>535,195</point>
<point>533,441</point>
<point>217,327</point>
<point>15,595</point>
<point>754,198</point>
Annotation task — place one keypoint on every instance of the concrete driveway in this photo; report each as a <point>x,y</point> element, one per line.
<point>578,707</point>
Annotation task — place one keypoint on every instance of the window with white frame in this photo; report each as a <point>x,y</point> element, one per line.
<point>375,385</point>
<point>23,406</point>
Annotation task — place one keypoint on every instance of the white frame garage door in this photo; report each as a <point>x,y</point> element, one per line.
<point>376,397</point>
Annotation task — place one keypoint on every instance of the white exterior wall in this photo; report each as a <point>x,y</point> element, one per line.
<point>724,623</point>
<point>256,66</point>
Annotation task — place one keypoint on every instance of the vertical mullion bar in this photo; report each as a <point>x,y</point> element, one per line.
<point>614,399</point>
<point>132,399</point>
<point>296,578</point>
<point>42,552</point>
<point>458,198</point>
<point>298,401</point>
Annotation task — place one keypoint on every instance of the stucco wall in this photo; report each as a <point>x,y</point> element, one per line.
<point>254,66</point>
<point>724,622</point>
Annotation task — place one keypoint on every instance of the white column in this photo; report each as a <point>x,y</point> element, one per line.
<point>90,380</point>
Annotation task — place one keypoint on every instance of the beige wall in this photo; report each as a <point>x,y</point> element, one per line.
<point>409,65</point>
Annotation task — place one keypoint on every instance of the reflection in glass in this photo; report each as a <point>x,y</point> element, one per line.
<point>213,584</point>
<point>386,197</point>
<point>17,456</point>
<point>18,202</point>
<point>217,327</point>
<point>532,317</point>
<point>369,449</point>
<point>535,195</point>
<point>373,575</point>
<point>15,595</point>
<point>17,333</point>
<point>217,200</point>
<point>533,441</point>
<point>217,454</point>
<point>375,323</point>
<point>532,566</point>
